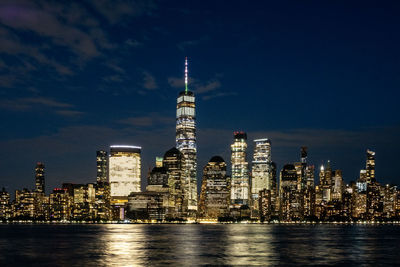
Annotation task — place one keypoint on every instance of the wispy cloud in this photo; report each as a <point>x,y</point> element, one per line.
<point>208,89</point>
<point>152,119</point>
<point>75,28</point>
<point>188,43</point>
<point>116,10</point>
<point>176,82</point>
<point>133,43</point>
<point>69,113</point>
<point>149,81</point>
<point>29,103</point>
<point>220,94</point>
<point>113,78</point>
<point>199,87</point>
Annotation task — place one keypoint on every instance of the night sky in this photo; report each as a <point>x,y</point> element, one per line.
<point>78,76</point>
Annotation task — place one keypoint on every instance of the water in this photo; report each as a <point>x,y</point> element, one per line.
<point>183,245</point>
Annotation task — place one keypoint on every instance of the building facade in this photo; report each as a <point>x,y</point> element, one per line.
<point>215,190</point>
<point>39,178</point>
<point>186,140</point>
<point>240,181</point>
<point>102,166</point>
<point>291,208</point>
<point>261,167</point>
<point>125,170</point>
<point>174,162</point>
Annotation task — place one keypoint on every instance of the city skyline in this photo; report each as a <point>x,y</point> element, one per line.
<point>187,140</point>
<point>185,133</point>
<point>295,74</point>
<point>249,193</point>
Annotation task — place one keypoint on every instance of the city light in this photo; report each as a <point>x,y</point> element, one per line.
<point>250,193</point>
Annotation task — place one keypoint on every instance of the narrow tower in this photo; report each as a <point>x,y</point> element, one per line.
<point>102,166</point>
<point>370,167</point>
<point>186,142</point>
<point>39,177</point>
<point>240,182</point>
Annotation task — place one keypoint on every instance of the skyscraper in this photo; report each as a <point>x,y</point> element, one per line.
<point>186,140</point>
<point>303,181</point>
<point>102,170</point>
<point>174,162</point>
<point>215,195</point>
<point>158,175</point>
<point>125,170</point>
<point>337,186</point>
<point>261,173</point>
<point>39,177</point>
<point>290,199</point>
<point>261,167</point>
<point>240,172</point>
<point>370,166</point>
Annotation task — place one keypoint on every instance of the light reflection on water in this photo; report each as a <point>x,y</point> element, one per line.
<point>234,244</point>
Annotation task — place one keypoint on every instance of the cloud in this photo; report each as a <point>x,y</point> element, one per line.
<point>29,103</point>
<point>59,23</point>
<point>69,113</point>
<point>176,82</point>
<point>149,82</point>
<point>152,119</point>
<point>45,102</point>
<point>133,43</point>
<point>116,10</point>
<point>75,29</point>
<point>207,87</point>
<point>199,87</point>
<point>183,45</point>
<point>113,78</point>
<point>115,67</point>
<point>221,94</point>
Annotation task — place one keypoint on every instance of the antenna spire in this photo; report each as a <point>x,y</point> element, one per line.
<point>186,75</point>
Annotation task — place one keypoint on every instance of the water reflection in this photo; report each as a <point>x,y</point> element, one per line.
<point>182,245</point>
<point>124,245</point>
<point>250,246</point>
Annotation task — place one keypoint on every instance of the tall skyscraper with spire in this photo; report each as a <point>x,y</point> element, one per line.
<point>186,142</point>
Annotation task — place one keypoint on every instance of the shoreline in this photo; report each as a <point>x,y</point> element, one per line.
<point>204,223</point>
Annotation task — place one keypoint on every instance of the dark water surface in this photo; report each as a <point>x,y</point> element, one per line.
<point>183,245</point>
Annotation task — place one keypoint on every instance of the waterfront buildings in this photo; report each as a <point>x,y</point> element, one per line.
<point>171,192</point>
<point>5,209</point>
<point>61,205</point>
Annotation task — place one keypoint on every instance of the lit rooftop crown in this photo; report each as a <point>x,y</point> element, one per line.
<point>125,146</point>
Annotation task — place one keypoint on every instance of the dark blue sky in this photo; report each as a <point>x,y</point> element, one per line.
<point>78,76</point>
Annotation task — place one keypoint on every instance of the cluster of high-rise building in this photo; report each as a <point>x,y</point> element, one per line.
<point>253,191</point>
